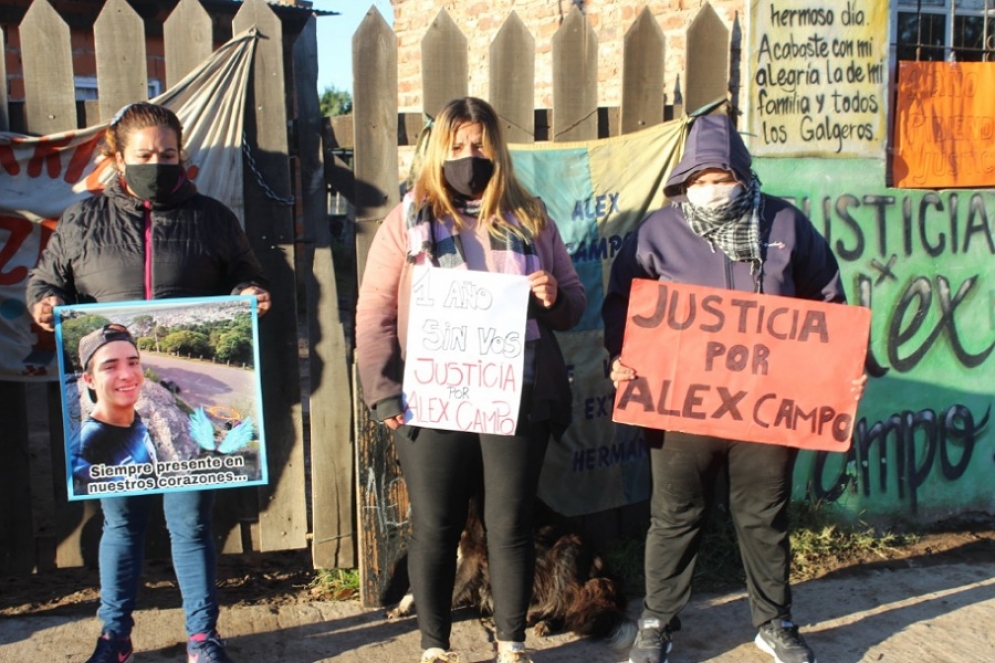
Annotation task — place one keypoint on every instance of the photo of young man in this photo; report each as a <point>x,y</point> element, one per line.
<point>114,444</point>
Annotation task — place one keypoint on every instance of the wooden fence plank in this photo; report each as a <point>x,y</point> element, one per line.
<point>374,74</point>
<point>46,56</point>
<point>575,80</point>
<point>76,525</point>
<point>332,466</point>
<point>269,225</point>
<point>119,44</point>
<point>444,68</point>
<point>735,65</point>
<point>50,510</point>
<point>187,34</point>
<point>706,68</point>
<point>50,107</point>
<point>17,555</point>
<point>381,535</point>
<point>512,80</point>
<point>642,74</point>
<point>678,105</point>
<point>4,113</point>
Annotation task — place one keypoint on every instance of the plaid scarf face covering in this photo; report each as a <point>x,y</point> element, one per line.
<point>733,228</point>
<point>436,241</point>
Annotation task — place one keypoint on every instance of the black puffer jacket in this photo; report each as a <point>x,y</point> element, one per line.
<point>115,247</point>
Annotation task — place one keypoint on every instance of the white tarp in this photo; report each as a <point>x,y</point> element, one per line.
<point>41,176</point>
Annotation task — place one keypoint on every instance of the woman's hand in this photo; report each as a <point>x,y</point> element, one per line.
<point>620,372</point>
<point>394,422</point>
<point>262,298</point>
<point>43,314</point>
<point>543,287</point>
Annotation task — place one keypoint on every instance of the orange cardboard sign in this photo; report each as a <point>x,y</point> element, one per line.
<point>742,366</point>
<point>944,125</point>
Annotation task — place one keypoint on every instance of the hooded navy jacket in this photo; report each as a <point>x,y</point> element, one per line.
<point>797,260</point>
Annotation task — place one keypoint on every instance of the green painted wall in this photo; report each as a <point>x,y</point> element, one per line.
<point>924,446</point>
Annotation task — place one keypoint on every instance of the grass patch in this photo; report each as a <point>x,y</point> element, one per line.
<point>335,584</point>
<point>821,541</point>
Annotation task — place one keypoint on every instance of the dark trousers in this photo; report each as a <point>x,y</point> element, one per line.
<point>684,472</point>
<point>442,469</point>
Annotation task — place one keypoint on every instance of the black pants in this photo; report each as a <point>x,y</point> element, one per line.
<point>442,470</point>
<point>684,472</point>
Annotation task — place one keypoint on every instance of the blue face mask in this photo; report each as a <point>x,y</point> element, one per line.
<point>468,176</point>
<point>153,181</point>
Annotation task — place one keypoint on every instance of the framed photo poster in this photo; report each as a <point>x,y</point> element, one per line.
<point>161,396</point>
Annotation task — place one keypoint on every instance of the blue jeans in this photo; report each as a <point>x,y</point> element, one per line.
<point>122,553</point>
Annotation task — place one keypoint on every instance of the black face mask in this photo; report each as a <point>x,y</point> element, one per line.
<point>152,181</point>
<point>468,176</point>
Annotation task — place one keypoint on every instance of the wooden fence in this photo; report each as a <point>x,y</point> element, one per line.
<point>39,529</point>
<point>321,442</point>
<point>376,129</point>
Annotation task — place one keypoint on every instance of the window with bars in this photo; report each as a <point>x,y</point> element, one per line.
<point>952,30</point>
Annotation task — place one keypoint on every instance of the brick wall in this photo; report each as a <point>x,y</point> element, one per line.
<point>84,59</point>
<point>480,20</point>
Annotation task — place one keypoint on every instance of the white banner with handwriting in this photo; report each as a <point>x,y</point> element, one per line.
<point>465,350</point>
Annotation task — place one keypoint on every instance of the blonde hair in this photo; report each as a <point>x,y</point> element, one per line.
<point>504,194</point>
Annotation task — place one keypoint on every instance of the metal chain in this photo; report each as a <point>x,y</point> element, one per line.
<point>272,195</point>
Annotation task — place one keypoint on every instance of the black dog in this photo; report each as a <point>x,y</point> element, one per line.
<point>572,591</point>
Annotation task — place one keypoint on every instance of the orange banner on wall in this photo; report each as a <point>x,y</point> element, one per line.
<point>742,366</point>
<point>945,125</point>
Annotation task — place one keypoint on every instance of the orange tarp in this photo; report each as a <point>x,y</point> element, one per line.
<point>742,366</point>
<point>945,125</point>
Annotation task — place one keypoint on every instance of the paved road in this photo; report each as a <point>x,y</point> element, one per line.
<point>930,614</point>
<point>203,383</point>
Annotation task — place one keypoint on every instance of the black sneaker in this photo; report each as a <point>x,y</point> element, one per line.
<point>111,649</point>
<point>652,642</point>
<point>780,639</point>
<point>207,648</point>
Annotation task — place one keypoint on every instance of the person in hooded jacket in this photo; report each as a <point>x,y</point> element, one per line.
<point>468,211</point>
<point>720,230</point>
<point>149,235</point>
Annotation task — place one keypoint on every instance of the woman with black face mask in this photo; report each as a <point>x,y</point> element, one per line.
<point>467,211</point>
<point>149,235</point>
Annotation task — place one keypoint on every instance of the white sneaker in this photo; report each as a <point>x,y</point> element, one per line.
<point>437,655</point>
<point>512,657</point>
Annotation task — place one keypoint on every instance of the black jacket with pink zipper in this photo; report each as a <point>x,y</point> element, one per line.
<point>116,247</point>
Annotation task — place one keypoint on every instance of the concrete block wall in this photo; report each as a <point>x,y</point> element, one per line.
<point>480,21</point>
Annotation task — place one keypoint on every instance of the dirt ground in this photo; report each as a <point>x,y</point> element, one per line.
<point>932,600</point>
<point>276,579</point>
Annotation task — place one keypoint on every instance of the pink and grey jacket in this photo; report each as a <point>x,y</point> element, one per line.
<point>382,324</point>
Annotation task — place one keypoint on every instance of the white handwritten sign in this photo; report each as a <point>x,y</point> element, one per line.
<point>465,350</point>
<point>818,77</point>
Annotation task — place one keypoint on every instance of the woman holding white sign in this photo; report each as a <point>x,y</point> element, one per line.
<point>467,211</point>
<point>720,230</point>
